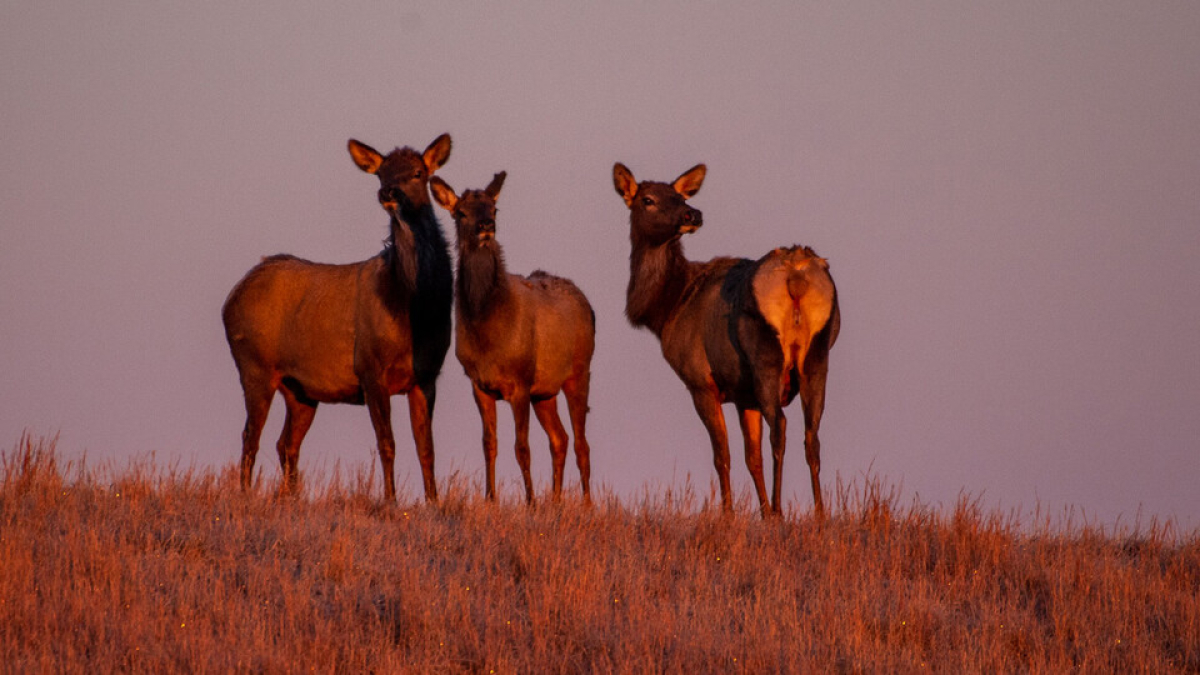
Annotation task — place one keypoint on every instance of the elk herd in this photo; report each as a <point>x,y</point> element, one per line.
<point>754,333</point>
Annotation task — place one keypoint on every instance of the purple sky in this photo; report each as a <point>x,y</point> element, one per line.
<point>1007,193</point>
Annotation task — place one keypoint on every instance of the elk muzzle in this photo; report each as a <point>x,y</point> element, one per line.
<point>485,229</point>
<point>390,198</point>
<point>395,200</point>
<point>692,220</point>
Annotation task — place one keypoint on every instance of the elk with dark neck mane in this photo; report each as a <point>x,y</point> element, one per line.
<point>356,333</point>
<point>749,332</point>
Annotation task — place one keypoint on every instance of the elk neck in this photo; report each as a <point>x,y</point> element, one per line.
<point>418,258</point>
<point>482,280</point>
<point>658,276</point>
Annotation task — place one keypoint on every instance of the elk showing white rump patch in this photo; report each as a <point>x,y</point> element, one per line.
<point>794,293</point>
<point>721,324</point>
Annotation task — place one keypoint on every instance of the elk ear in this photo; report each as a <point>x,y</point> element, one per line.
<point>366,157</point>
<point>689,183</point>
<point>625,183</point>
<point>437,153</point>
<point>443,193</point>
<point>493,188</point>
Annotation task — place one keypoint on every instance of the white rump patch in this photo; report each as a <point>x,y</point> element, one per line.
<point>794,293</point>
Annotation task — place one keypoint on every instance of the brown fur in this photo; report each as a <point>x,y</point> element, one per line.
<point>751,333</point>
<point>519,339</point>
<point>357,333</point>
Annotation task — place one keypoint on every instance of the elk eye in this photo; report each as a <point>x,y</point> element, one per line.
<point>646,201</point>
<point>420,174</point>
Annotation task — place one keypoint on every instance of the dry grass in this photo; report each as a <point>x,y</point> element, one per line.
<point>158,570</point>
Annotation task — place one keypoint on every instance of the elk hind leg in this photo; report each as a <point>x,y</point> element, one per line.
<point>576,393</point>
<point>769,384</point>
<point>812,397</point>
<point>777,423</point>
<point>258,392</point>
<point>300,413</point>
<point>751,422</point>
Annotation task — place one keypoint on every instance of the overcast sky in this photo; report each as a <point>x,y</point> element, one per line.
<point>1007,193</point>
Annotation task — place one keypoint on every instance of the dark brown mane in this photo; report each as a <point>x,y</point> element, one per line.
<point>480,281</point>
<point>658,277</point>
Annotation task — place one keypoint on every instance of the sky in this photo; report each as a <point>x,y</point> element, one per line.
<point>1006,191</point>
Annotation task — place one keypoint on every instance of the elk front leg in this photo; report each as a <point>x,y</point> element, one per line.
<point>547,415</point>
<point>379,404</point>
<point>487,413</point>
<point>709,409</point>
<point>420,412</point>
<point>520,407</point>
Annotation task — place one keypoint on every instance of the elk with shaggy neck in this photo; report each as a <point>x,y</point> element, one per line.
<point>356,333</point>
<point>519,339</point>
<point>749,332</point>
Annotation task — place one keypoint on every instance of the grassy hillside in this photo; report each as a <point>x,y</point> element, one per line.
<point>152,569</point>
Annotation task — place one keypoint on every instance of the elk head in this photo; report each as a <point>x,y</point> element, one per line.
<point>403,174</point>
<point>474,212</point>
<point>659,212</point>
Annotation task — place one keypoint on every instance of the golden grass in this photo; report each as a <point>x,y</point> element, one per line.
<point>154,570</point>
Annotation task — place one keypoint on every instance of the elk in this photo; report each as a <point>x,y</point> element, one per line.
<point>355,333</point>
<point>749,332</point>
<point>519,339</point>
